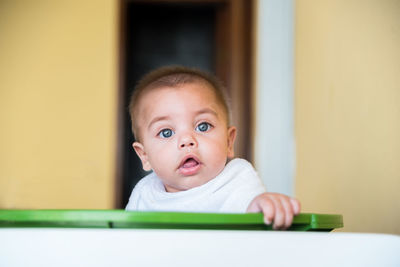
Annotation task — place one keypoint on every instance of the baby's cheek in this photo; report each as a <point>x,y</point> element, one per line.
<point>218,159</point>
<point>160,162</point>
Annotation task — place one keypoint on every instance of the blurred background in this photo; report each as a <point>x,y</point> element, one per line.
<point>314,87</point>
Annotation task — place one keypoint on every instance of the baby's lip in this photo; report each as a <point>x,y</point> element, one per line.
<point>186,158</point>
<point>190,165</point>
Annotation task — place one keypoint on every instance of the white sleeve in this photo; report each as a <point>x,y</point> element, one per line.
<point>245,186</point>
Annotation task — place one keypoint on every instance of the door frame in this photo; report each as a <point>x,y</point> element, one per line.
<point>233,65</point>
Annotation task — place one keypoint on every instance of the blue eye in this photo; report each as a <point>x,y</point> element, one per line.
<point>165,133</point>
<point>203,127</point>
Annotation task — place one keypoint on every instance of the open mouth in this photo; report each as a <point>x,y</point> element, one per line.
<point>190,162</point>
<point>189,166</point>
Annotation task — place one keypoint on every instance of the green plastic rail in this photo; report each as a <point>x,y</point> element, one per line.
<point>159,220</point>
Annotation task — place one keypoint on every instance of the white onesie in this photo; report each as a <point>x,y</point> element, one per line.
<point>229,192</point>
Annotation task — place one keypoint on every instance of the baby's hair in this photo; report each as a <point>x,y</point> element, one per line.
<point>173,76</point>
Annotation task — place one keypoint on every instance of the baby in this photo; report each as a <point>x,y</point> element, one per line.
<point>180,119</point>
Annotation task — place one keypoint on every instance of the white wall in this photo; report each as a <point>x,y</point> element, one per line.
<point>274,124</point>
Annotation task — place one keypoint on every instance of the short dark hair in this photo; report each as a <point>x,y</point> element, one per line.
<point>173,76</point>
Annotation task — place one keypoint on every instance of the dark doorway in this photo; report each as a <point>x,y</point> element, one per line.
<point>158,33</point>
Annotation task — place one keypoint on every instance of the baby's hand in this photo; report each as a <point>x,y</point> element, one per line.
<point>277,208</point>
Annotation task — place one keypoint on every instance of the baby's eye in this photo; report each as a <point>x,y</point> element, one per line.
<point>203,127</point>
<point>165,133</point>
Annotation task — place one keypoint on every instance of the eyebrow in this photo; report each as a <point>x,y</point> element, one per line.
<point>207,110</point>
<point>156,119</point>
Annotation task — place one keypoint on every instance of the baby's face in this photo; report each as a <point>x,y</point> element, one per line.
<point>184,135</point>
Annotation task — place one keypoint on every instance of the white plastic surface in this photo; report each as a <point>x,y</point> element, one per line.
<point>120,247</point>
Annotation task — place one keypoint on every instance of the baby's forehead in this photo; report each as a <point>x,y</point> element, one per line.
<point>165,95</point>
<point>204,88</point>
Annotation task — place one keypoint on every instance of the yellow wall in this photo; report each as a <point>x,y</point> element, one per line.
<point>58,97</point>
<point>348,111</point>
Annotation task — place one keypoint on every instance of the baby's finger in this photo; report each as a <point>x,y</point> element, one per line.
<point>268,209</point>
<point>263,204</point>
<point>288,211</point>
<point>279,220</point>
<point>295,206</point>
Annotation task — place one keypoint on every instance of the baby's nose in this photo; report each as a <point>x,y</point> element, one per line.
<point>187,141</point>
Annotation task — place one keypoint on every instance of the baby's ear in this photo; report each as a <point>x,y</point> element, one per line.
<point>231,141</point>
<point>139,149</point>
